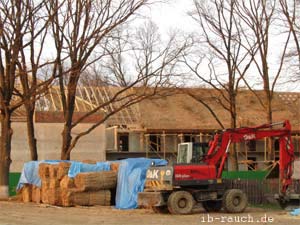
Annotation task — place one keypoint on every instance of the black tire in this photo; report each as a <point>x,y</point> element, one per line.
<point>160,209</point>
<point>181,202</point>
<point>212,205</point>
<point>235,201</point>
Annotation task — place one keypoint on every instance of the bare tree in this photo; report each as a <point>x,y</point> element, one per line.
<point>78,30</point>
<point>31,61</point>
<point>259,17</point>
<point>290,10</point>
<point>221,31</point>
<point>95,75</point>
<point>15,25</point>
<point>82,32</point>
<point>131,83</point>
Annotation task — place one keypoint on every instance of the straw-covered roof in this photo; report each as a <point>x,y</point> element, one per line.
<point>177,109</point>
<point>181,111</point>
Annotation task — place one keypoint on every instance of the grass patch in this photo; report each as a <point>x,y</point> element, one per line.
<point>267,206</point>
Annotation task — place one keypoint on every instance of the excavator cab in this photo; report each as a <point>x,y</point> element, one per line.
<point>189,152</point>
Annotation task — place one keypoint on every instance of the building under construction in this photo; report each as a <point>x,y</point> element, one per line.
<point>153,127</point>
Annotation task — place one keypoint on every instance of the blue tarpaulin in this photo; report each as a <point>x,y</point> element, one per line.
<point>131,176</point>
<point>79,167</point>
<point>131,179</point>
<point>30,172</point>
<point>295,212</point>
<point>30,175</point>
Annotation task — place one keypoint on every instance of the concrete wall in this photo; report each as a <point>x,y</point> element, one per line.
<point>49,142</point>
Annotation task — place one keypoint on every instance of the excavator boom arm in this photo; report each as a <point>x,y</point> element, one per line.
<point>219,147</point>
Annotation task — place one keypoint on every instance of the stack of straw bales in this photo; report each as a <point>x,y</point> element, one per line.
<point>52,175</point>
<point>86,189</point>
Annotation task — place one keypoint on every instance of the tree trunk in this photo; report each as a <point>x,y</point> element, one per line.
<point>67,137</point>
<point>30,132</point>
<point>233,149</point>
<point>5,148</point>
<point>270,140</point>
<point>233,152</point>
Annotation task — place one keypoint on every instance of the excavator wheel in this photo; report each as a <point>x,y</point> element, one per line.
<point>212,205</point>
<point>234,201</point>
<point>181,202</point>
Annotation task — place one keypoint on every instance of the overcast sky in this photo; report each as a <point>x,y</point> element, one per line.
<point>172,15</point>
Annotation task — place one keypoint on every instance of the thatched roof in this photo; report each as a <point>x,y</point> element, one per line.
<point>176,109</point>
<point>181,111</point>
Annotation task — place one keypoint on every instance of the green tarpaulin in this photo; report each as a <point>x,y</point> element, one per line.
<point>245,175</point>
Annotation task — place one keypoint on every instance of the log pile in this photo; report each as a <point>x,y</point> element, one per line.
<point>86,189</point>
<point>94,181</point>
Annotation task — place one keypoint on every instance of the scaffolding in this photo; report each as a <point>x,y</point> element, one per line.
<point>244,154</point>
<point>158,142</point>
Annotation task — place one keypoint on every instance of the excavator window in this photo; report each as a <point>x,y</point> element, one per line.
<point>189,152</point>
<point>199,150</point>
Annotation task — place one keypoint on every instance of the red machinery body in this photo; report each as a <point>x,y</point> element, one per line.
<point>210,166</point>
<point>194,172</point>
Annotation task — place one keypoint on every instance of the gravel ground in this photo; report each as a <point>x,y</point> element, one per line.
<point>17,213</point>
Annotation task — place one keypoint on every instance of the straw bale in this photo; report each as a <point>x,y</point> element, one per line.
<point>36,194</point>
<point>93,181</point>
<point>46,183</point>
<point>27,193</point>
<point>63,169</point>
<point>54,183</point>
<point>44,170</point>
<point>74,197</point>
<point>53,168</point>
<point>45,196</point>
<point>114,166</point>
<point>67,182</point>
<point>89,161</point>
<point>54,196</point>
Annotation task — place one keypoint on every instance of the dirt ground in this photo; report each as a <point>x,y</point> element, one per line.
<point>17,213</point>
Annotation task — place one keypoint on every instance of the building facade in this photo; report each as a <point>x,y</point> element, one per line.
<point>151,128</point>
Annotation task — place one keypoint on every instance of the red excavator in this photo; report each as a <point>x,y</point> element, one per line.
<point>196,177</point>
